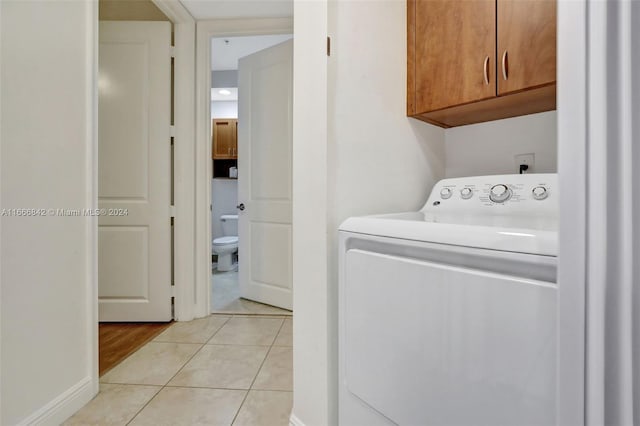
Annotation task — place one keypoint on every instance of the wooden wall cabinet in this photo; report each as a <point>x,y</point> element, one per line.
<point>470,61</point>
<point>224,132</point>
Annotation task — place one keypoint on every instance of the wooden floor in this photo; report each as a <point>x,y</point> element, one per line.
<point>117,340</point>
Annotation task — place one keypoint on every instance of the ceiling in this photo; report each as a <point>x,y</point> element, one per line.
<point>231,94</point>
<point>220,9</point>
<point>225,55</point>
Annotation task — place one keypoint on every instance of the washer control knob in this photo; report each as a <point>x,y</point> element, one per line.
<point>466,193</point>
<point>445,193</point>
<point>539,193</point>
<point>499,193</point>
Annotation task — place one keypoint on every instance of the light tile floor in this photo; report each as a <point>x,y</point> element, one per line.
<point>225,297</point>
<point>220,370</point>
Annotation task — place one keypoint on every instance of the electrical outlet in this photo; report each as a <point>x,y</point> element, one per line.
<point>528,159</point>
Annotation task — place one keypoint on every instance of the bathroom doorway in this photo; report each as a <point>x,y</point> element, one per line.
<point>234,264</point>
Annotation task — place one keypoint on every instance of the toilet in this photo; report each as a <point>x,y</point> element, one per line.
<point>225,247</point>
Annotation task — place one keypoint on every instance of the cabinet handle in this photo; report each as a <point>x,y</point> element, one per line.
<point>486,70</point>
<point>229,151</point>
<point>504,65</point>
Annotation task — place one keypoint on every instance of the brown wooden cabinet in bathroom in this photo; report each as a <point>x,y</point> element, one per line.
<point>470,61</point>
<point>224,132</point>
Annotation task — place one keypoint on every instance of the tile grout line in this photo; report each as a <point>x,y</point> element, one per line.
<point>202,345</point>
<point>235,344</point>
<point>131,354</point>
<point>278,334</point>
<point>251,314</point>
<point>179,370</point>
<point>223,389</point>
<point>257,373</point>
<point>194,343</point>
<point>256,376</point>
<point>218,330</point>
<point>197,352</point>
<point>163,386</point>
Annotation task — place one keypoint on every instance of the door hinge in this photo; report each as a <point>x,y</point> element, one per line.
<point>172,211</point>
<point>172,131</point>
<point>328,46</point>
<point>172,50</point>
<point>173,290</point>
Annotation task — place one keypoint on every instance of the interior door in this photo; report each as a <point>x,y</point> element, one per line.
<point>526,44</point>
<point>134,187</point>
<point>264,175</point>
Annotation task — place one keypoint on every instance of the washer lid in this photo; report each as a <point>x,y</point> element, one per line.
<point>478,232</point>
<point>225,240</point>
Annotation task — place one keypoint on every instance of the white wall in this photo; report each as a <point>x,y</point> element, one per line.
<point>378,160</point>
<point>224,199</point>
<point>489,148</point>
<point>310,295</point>
<point>48,281</point>
<point>224,109</point>
<point>381,160</point>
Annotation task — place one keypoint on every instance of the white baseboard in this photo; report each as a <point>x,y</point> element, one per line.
<point>294,421</point>
<point>64,406</point>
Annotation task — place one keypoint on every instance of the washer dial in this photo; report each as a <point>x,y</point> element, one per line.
<point>466,193</point>
<point>539,193</point>
<point>445,193</point>
<point>499,193</point>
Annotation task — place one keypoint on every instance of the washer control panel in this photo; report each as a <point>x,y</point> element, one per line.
<point>500,193</point>
<point>527,193</point>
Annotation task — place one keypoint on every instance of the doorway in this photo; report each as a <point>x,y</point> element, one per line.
<point>135,180</point>
<point>246,278</point>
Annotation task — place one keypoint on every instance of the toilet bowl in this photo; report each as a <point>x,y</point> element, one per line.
<point>225,247</point>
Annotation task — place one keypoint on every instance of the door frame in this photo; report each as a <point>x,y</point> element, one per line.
<point>595,130</point>
<point>205,31</point>
<point>184,85</point>
<point>184,27</point>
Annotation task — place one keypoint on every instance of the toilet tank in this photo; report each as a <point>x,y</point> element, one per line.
<point>229,224</point>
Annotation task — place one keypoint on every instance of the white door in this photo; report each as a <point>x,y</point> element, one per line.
<point>134,186</point>
<point>265,99</point>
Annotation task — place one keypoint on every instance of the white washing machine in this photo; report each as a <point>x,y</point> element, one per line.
<point>448,315</point>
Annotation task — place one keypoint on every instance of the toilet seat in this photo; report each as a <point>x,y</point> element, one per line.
<point>221,241</point>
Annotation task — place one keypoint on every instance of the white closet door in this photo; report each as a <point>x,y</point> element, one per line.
<point>134,186</point>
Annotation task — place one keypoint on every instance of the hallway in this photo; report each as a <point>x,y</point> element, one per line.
<point>218,370</point>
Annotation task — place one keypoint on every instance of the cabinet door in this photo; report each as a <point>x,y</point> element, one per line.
<point>235,139</point>
<point>526,44</point>
<point>454,52</point>
<point>223,132</point>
